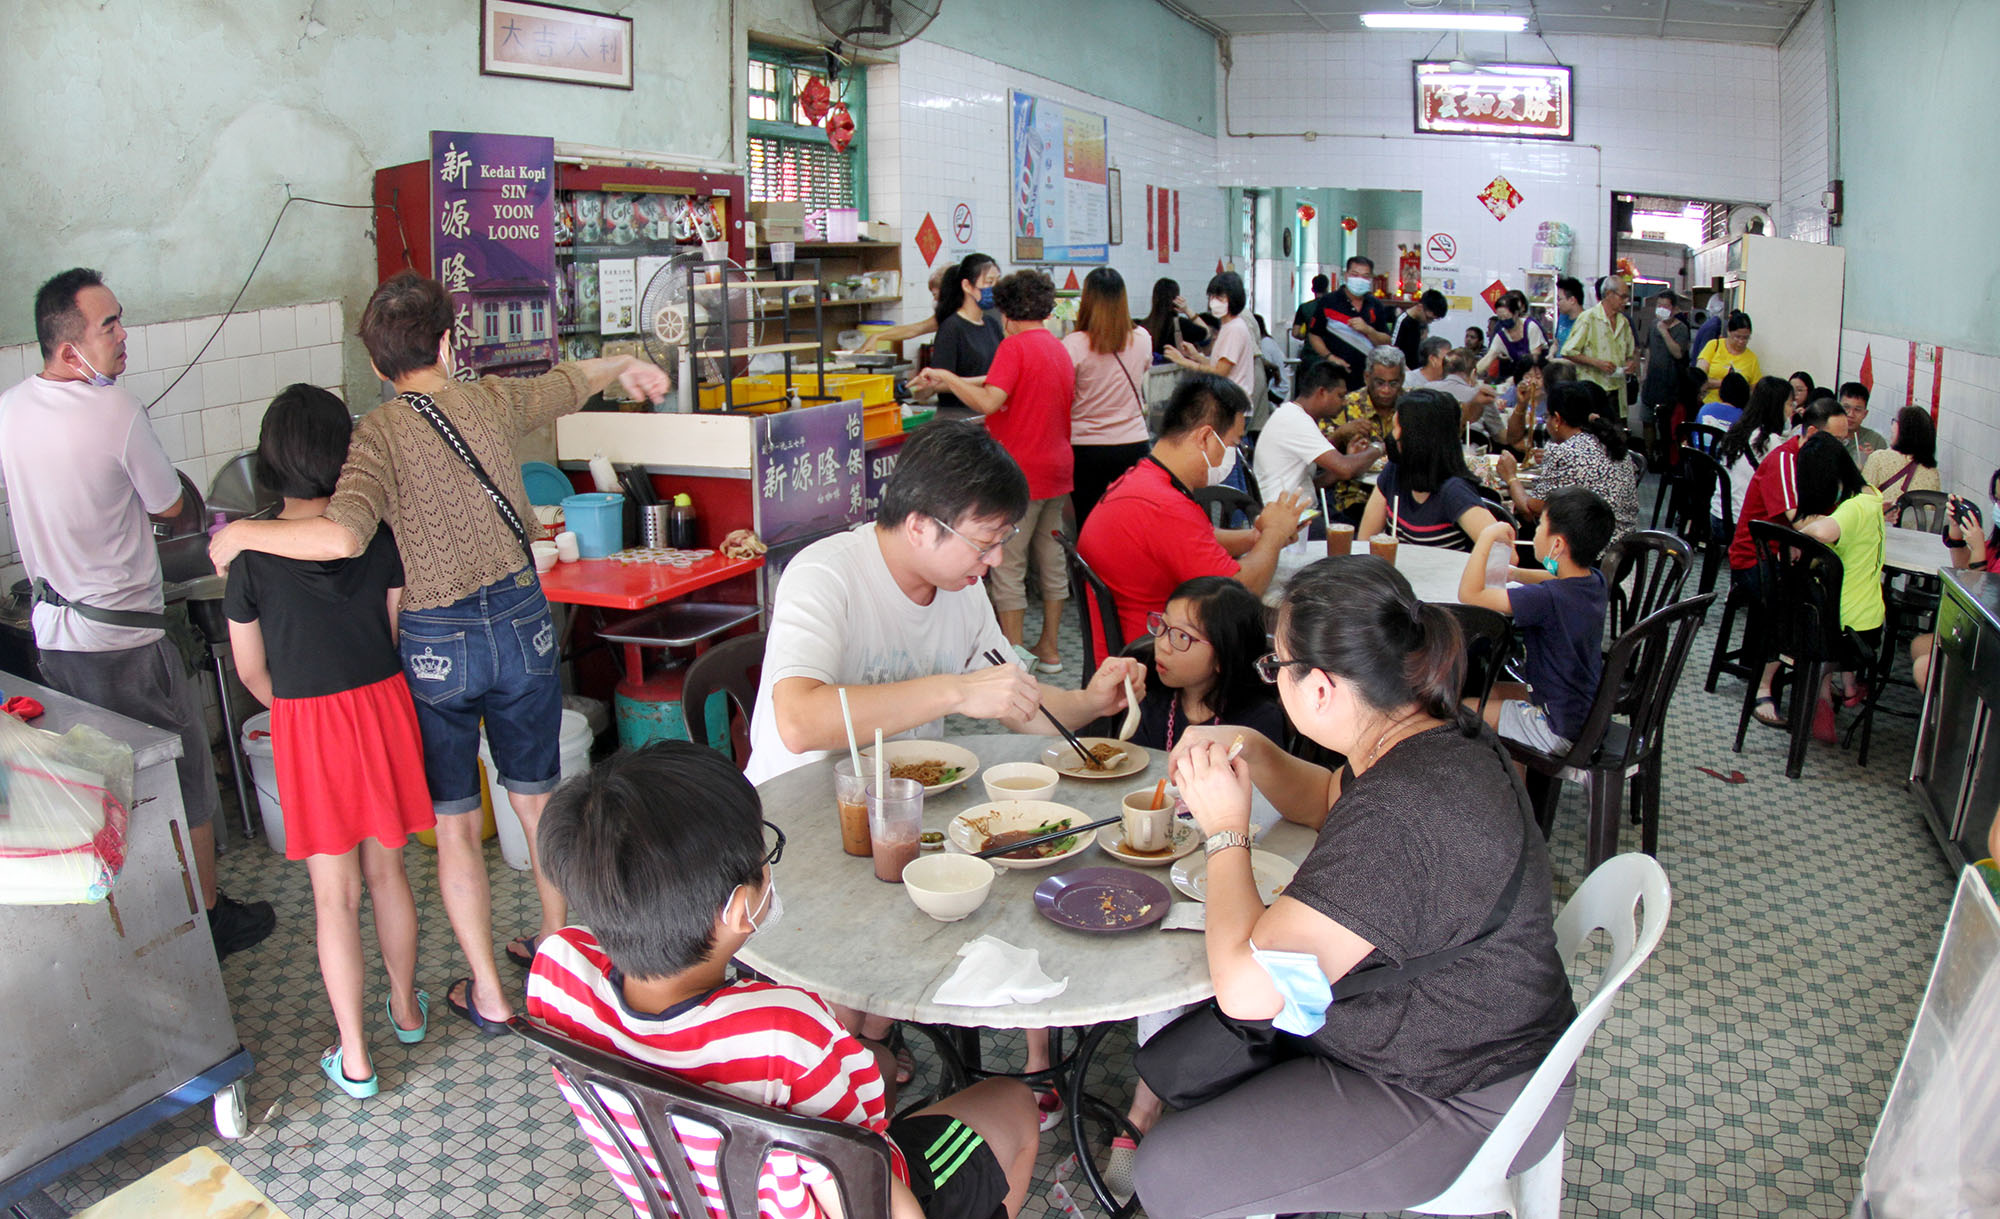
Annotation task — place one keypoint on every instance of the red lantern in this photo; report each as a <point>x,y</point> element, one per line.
<point>1349,223</point>
<point>1307,211</point>
<point>815,99</point>
<point>839,127</point>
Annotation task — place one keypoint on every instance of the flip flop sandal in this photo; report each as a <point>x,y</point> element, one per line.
<point>1765,703</point>
<point>359,1089</point>
<point>906,1062</point>
<point>521,951</point>
<point>411,1036</point>
<point>469,1010</point>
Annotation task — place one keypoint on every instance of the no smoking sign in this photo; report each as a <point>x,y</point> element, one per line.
<point>1440,249</point>
<point>961,224</point>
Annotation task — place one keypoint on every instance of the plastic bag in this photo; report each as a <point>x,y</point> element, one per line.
<point>63,802</point>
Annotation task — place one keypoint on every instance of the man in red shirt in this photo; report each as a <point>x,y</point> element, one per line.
<point>1147,536</point>
<point>1026,397</point>
<point>1773,495</point>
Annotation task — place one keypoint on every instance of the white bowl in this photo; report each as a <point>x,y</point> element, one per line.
<point>948,887</point>
<point>1038,782</point>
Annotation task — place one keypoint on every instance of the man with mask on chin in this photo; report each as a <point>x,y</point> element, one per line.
<point>1147,536</point>
<point>1350,321</point>
<point>84,473</point>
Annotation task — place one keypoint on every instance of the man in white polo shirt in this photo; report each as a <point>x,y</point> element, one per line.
<point>84,471</point>
<point>1294,455</point>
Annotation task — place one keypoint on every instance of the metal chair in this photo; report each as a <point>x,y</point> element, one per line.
<point>1655,565</point>
<point>1489,642</point>
<point>1629,899</point>
<point>1221,502</point>
<point>1638,682</point>
<point>1925,510</point>
<point>730,668</point>
<point>619,1093</point>
<point>1086,588</point>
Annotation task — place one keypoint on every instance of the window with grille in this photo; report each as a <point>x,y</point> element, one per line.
<point>789,158</point>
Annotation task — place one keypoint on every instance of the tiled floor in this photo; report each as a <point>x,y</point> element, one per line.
<point>1742,1073</point>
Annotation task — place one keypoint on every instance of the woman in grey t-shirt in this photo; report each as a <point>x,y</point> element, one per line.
<point>1426,843</point>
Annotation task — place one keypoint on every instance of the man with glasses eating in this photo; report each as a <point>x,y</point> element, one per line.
<point>892,612</point>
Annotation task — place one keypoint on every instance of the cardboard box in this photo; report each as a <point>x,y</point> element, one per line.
<point>780,221</point>
<point>878,230</point>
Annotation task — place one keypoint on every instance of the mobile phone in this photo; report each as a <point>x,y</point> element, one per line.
<point>1307,515</point>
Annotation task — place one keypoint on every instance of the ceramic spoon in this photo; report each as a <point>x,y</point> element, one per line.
<point>1131,724</point>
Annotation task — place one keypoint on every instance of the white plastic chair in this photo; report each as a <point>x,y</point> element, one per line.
<point>1611,898</point>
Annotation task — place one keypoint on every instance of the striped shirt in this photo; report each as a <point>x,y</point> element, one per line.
<point>1434,521</point>
<point>770,1045</point>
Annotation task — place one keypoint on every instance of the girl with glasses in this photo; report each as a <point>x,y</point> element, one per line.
<point>1205,648</point>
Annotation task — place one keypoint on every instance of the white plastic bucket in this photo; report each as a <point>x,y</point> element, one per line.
<point>573,748</point>
<point>263,761</point>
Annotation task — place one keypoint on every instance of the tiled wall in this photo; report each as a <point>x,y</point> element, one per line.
<point>1640,127</point>
<point>1968,400</point>
<point>1805,127</point>
<point>937,133</point>
<point>214,412</point>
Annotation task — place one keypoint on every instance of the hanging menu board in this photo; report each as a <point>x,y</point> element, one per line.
<point>493,228</point>
<point>1060,196</point>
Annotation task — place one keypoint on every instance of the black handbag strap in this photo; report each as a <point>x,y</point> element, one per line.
<point>428,411</point>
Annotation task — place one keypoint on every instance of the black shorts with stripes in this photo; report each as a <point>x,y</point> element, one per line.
<point>952,1170</point>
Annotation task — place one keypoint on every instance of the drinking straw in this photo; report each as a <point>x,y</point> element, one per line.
<point>1325,513</point>
<point>847,717</point>
<point>1395,531</point>
<point>1160,794</point>
<point>878,764</point>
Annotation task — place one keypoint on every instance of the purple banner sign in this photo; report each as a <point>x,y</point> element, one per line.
<point>493,227</point>
<point>808,472</point>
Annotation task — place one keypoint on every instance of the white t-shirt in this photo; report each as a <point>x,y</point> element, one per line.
<point>841,618</point>
<point>1286,450</point>
<point>1235,345</point>
<point>83,470</point>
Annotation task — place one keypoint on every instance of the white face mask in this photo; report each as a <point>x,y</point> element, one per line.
<point>1219,306</point>
<point>773,911</point>
<point>1663,313</point>
<point>1994,506</point>
<point>1359,284</point>
<point>1217,471</point>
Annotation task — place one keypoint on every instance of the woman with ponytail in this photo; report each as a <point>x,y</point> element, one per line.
<point>1428,858</point>
<point>1587,449</point>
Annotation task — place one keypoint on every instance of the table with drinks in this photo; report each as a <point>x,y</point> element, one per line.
<point>856,938</point>
<point>1433,572</point>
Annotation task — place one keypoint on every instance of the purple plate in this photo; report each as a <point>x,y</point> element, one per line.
<point>1102,899</point>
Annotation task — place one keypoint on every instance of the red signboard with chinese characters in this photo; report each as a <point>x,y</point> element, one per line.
<point>1518,101</point>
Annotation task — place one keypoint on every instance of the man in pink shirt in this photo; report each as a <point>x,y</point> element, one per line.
<point>1026,397</point>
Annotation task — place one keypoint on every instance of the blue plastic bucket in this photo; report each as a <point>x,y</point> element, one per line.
<point>598,520</point>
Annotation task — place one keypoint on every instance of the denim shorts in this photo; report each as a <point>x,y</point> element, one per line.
<point>491,656</point>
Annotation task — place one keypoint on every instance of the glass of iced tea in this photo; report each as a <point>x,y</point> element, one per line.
<point>851,794</point>
<point>1383,547</point>
<point>1339,538</point>
<point>895,825</point>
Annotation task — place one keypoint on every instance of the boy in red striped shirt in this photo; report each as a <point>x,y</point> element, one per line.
<point>671,886</point>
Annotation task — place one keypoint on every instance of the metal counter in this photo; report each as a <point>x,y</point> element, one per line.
<point>115,1012</point>
<point>1956,768</point>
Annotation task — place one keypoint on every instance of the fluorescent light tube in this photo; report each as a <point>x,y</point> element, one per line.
<point>1490,23</point>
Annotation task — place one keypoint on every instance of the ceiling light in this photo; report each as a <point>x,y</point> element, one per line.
<point>1490,23</point>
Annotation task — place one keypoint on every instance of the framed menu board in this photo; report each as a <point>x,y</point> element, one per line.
<point>1059,199</point>
<point>1512,100</point>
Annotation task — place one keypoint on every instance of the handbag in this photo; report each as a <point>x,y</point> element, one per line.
<point>428,411</point>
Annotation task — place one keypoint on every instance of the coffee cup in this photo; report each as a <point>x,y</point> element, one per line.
<point>1148,830</point>
<point>1339,538</point>
<point>1383,547</point>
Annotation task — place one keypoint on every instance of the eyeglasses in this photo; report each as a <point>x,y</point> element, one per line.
<point>777,852</point>
<point>1269,664</point>
<point>1177,639</point>
<point>991,548</point>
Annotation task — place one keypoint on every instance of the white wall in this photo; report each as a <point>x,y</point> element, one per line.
<point>1805,127</point>
<point>937,132</point>
<point>1639,128</point>
<point>217,408</point>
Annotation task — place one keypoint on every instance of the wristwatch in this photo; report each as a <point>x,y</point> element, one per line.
<point>1225,839</point>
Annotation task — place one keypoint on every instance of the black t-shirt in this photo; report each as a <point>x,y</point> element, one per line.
<point>1412,858</point>
<point>966,348</point>
<point>326,625</point>
<point>1336,308</point>
<point>1434,522</point>
<point>1263,714</point>
<point>1411,331</point>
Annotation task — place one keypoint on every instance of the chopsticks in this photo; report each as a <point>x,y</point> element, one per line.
<point>1051,836</point>
<point>1089,758</point>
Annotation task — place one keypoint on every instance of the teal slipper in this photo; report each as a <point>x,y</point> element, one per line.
<point>359,1089</point>
<point>411,1036</point>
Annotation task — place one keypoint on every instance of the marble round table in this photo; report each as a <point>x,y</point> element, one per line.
<point>1432,571</point>
<point>1914,551</point>
<point>861,942</point>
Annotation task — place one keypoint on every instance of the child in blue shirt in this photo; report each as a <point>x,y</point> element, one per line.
<point>1559,608</point>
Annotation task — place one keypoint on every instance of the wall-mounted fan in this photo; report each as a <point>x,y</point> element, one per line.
<point>1751,219</point>
<point>875,25</point>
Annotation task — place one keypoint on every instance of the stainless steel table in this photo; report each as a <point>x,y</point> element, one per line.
<point>115,1013</point>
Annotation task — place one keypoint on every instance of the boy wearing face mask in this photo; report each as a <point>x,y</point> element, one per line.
<point>648,978</point>
<point>1351,321</point>
<point>1147,536</point>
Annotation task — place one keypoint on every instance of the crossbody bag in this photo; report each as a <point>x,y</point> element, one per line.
<point>427,410</point>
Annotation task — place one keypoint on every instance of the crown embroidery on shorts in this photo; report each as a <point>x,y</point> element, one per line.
<point>545,639</point>
<point>429,666</point>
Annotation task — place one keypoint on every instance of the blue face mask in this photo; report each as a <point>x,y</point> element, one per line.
<point>1549,565</point>
<point>986,298</point>
<point>1303,986</point>
<point>96,377</point>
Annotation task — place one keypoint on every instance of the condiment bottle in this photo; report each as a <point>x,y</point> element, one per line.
<point>681,522</point>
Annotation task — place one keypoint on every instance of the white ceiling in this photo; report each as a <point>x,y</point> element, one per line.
<point>1750,22</point>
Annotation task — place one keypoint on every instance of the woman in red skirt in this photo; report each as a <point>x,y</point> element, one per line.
<point>317,643</point>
